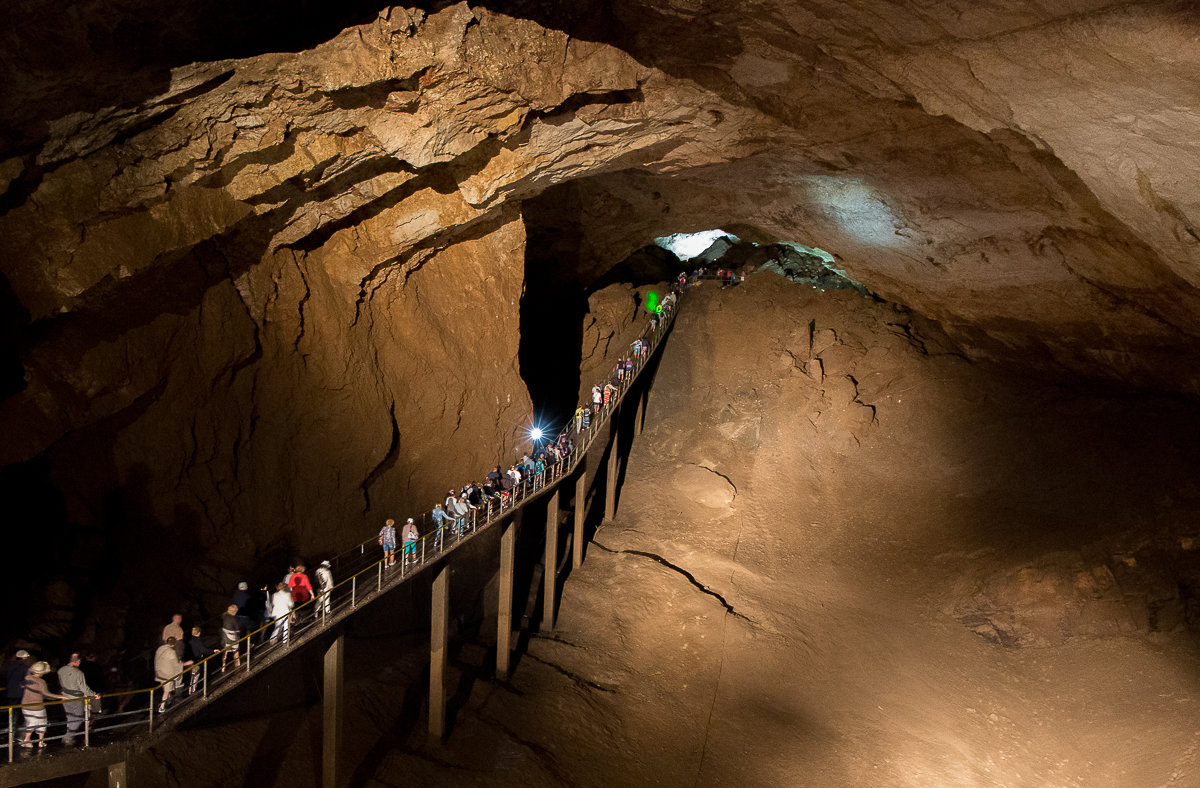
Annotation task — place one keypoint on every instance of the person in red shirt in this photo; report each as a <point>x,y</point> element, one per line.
<point>301,589</point>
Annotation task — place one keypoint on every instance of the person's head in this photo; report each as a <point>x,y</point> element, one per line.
<point>243,586</point>
<point>280,587</point>
<point>300,568</point>
<point>23,655</point>
<point>392,522</point>
<point>171,641</point>
<point>76,659</point>
<point>177,619</point>
<point>40,668</point>
<point>325,564</point>
<point>410,521</point>
<point>196,631</point>
<point>439,506</point>
<point>232,610</point>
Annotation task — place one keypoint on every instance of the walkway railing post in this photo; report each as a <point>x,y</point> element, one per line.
<point>87,721</point>
<point>353,590</point>
<point>379,576</point>
<point>204,679</point>
<point>10,734</point>
<point>151,711</point>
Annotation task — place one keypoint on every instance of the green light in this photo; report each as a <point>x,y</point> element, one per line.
<point>652,302</point>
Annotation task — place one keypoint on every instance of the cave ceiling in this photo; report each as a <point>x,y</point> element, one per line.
<point>1024,173</point>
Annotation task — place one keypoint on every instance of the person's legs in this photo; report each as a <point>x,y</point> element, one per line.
<point>74,712</point>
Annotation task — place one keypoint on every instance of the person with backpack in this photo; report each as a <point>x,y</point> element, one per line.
<point>410,542</point>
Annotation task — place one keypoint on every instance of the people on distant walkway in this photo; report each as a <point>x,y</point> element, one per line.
<point>34,694</point>
<point>74,685</point>
<point>387,540</point>
<point>231,633</point>
<point>167,667</point>
<point>324,586</point>
<point>281,609</point>
<point>410,542</point>
<point>440,519</point>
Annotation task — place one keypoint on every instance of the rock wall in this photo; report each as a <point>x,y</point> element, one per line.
<point>260,288</point>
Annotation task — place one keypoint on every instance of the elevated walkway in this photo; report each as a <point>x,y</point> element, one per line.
<point>111,739</point>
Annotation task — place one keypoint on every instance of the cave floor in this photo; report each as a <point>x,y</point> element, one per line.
<point>822,637</point>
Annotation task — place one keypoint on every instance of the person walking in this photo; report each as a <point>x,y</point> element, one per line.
<point>15,671</point>
<point>301,589</point>
<point>167,667</point>
<point>33,696</point>
<point>410,542</point>
<point>440,518</point>
<point>231,633</point>
<point>281,611</point>
<point>198,650</point>
<point>387,540</point>
<point>324,586</point>
<point>175,630</point>
<point>74,685</point>
<point>597,398</point>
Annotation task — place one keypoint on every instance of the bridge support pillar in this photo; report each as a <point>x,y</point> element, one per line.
<point>580,511</point>
<point>551,560</point>
<point>614,461</point>
<point>117,776</point>
<point>438,640</point>
<point>333,703</point>
<point>639,418</point>
<point>508,544</point>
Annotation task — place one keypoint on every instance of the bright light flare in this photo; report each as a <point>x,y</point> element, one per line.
<point>536,433</point>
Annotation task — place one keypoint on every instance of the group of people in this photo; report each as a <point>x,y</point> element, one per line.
<point>25,681</point>
<point>25,677</point>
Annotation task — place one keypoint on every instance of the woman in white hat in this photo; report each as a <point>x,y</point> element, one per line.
<point>35,695</point>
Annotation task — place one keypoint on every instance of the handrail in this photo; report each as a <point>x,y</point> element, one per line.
<point>322,608</point>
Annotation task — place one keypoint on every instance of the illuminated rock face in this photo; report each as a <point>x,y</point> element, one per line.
<point>284,289</point>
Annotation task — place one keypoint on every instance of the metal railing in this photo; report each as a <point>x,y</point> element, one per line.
<point>368,580</point>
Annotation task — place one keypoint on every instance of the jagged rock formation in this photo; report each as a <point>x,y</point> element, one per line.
<point>259,289</point>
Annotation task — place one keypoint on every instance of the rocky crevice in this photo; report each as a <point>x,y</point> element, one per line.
<point>685,574</point>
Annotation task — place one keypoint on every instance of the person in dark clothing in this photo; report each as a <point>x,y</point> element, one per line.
<point>243,599</point>
<point>197,650</point>
<point>15,671</point>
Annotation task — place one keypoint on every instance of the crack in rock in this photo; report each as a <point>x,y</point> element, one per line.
<point>688,575</point>
<point>575,677</point>
<point>723,476</point>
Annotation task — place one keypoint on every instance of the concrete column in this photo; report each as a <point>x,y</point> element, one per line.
<point>438,639</point>
<point>580,510</point>
<point>508,544</point>
<point>551,561</point>
<point>116,775</point>
<point>334,697</point>
<point>614,461</point>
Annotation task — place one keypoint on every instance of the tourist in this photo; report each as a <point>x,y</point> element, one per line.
<point>439,517</point>
<point>579,419</point>
<point>231,633</point>
<point>74,685</point>
<point>301,588</point>
<point>34,693</point>
<point>175,630</point>
<point>410,542</point>
<point>324,585</point>
<point>167,667</point>
<point>197,651</point>
<point>597,398</point>
<point>387,540</point>
<point>281,607</point>
<point>245,610</point>
<point>15,671</point>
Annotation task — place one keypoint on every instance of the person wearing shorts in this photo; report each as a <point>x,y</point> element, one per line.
<point>387,540</point>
